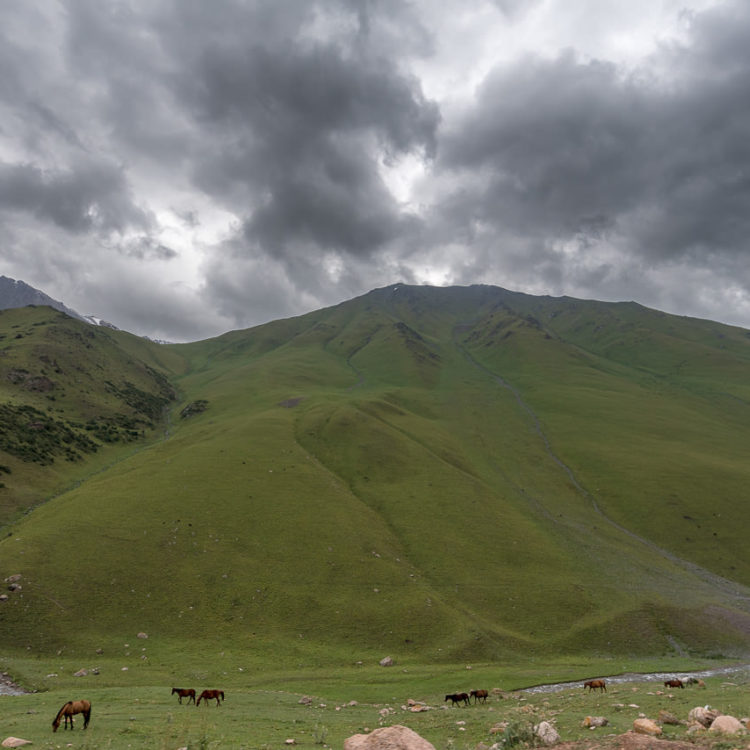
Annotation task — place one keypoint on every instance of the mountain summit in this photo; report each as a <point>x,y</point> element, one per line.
<point>19,294</point>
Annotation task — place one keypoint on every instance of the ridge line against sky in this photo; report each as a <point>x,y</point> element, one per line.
<point>182,168</point>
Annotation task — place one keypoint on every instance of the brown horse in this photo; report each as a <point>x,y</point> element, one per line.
<point>67,711</point>
<point>478,695</point>
<point>595,685</point>
<point>208,695</point>
<point>188,693</point>
<point>674,684</point>
<point>457,698</point>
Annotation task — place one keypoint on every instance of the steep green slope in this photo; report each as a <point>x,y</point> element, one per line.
<point>73,398</point>
<point>439,473</point>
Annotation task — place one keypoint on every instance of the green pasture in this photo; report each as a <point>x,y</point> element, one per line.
<point>263,709</point>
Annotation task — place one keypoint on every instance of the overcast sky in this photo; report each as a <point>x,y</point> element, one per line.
<point>184,167</point>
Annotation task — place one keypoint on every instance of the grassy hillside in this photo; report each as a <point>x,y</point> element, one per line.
<point>73,398</point>
<point>441,474</point>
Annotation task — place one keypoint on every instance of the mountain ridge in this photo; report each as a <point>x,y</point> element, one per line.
<point>448,473</point>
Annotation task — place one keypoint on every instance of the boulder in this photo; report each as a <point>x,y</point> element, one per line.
<point>546,733</point>
<point>667,718</point>
<point>81,673</point>
<point>726,725</point>
<point>142,635</point>
<point>15,742</point>
<point>396,737</point>
<point>386,662</point>
<point>595,721</point>
<point>703,715</point>
<point>646,726</point>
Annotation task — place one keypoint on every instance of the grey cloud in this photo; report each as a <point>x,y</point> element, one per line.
<point>94,197</point>
<point>303,136</point>
<point>569,148</point>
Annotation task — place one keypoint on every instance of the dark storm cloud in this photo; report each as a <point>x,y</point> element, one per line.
<point>94,197</point>
<point>578,151</point>
<point>303,127</point>
<point>283,115</point>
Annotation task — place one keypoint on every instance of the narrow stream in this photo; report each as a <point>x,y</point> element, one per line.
<point>741,670</point>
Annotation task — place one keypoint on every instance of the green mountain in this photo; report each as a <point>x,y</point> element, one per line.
<point>441,473</point>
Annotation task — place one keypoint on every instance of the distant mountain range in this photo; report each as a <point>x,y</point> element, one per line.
<point>16,293</point>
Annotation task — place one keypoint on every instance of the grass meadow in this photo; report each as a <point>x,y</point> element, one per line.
<point>263,710</point>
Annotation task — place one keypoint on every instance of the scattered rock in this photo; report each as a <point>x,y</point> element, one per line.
<point>142,635</point>
<point>726,725</point>
<point>703,715</point>
<point>499,728</point>
<point>305,700</point>
<point>546,733</point>
<point>15,578</point>
<point>3,597</point>
<point>290,741</point>
<point>646,726</point>
<point>396,737</point>
<point>386,662</point>
<point>15,742</point>
<point>595,721</point>
<point>665,717</point>
<point>81,673</point>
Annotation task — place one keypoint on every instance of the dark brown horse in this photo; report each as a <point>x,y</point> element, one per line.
<point>478,695</point>
<point>188,693</point>
<point>67,711</point>
<point>595,685</point>
<point>208,695</point>
<point>674,684</point>
<point>457,698</point>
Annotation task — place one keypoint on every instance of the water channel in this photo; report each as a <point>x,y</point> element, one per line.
<point>738,670</point>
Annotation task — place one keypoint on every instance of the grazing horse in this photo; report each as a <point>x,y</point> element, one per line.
<point>595,685</point>
<point>188,693</point>
<point>208,695</point>
<point>457,698</point>
<point>674,684</point>
<point>479,695</point>
<point>67,711</point>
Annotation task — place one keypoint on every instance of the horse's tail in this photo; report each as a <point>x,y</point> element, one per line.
<point>86,716</point>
